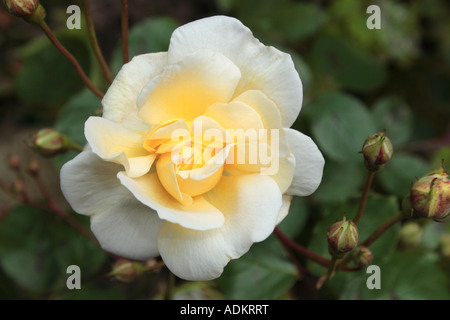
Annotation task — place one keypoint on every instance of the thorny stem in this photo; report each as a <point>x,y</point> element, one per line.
<point>125,49</point>
<point>94,43</point>
<point>363,201</point>
<point>71,59</point>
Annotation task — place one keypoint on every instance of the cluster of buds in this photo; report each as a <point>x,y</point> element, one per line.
<point>126,271</point>
<point>430,195</point>
<point>49,142</point>
<point>31,10</point>
<point>342,237</point>
<point>377,150</point>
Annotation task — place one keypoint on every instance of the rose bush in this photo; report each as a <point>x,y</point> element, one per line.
<point>194,159</point>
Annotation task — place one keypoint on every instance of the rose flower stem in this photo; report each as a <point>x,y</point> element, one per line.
<point>383,228</point>
<point>305,252</point>
<point>365,194</point>
<point>125,49</point>
<point>301,270</point>
<point>71,59</point>
<point>94,43</point>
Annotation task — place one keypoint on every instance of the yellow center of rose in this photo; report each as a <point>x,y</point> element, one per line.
<point>188,164</point>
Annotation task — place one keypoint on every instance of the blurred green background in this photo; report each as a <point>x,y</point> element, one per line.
<point>356,82</point>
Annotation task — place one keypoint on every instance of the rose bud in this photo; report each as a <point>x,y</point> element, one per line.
<point>363,257</point>
<point>430,196</point>
<point>410,235</point>
<point>377,151</point>
<point>14,162</point>
<point>49,142</point>
<point>21,8</point>
<point>126,271</point>
<point>342,237</point>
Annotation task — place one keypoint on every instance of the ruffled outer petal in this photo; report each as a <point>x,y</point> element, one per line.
<point>119,102</point>
<point>309,164</point>
<point>250,216</point>
<point>122,224</point>
<point>263,68</point>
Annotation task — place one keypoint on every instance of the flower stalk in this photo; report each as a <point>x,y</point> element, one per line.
<point>125,49</point>
<point>94,43</point>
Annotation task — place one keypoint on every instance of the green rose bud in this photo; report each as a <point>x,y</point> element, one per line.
<point>49,142</point>
<point>377,150</point>
<point>342,237</point>
<point>430,195</point>
<point>363,257</point>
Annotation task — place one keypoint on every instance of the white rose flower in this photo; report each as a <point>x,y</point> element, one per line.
<point>193,159</point>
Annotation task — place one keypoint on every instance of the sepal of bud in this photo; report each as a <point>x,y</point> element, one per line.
<point>21,8</point>
<point>342,237</point>
<point>377,150</point>
<point>430,195</point>
<point>49,142</point>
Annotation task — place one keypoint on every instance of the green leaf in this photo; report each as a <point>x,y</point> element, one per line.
<point>398,174</point>
<point>71,119</point>
<point>392,113</point>
<point>150,35</point>
<point>47,77</point>
<point>405,276</point>
<point>340,181</point>
<point>36,248</point>
<point>340,124</point>
<point>262,273</point>
<point>345,62</point>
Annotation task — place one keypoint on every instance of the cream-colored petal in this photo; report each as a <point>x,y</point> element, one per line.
<point>263,68</point>
<point>284,210</point>
<point>129,230</point>
<point>250,204</point>
<point>119,102</point>
<point>115,143</point>
<point>235,115</point>
<point>108,138</point>
<point>185,89</point>
<point>201,215</point>
<point>309,164</point>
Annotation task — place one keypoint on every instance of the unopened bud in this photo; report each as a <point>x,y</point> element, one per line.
<point>18,187</point>
<point>49,142</point>
<point>342,237</point>
<point>410,235</point>
<point>14,162</point>
<point>430,195</point>
<point>126,271</point>
<point>21,8</point>
<point>33,167</point>
<point>377,150</point>
<point>363,257</point>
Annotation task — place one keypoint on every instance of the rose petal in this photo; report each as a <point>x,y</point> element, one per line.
<point>115,143</point>
<point>201,215</point>
<point>262,68</point>
<point>119,102</point>
<point>130,231</point>
<point>250,204</point>
<point>185,89</point>
<point>309,164</point>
